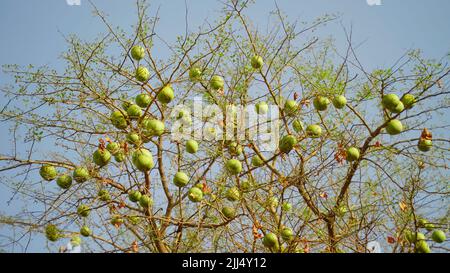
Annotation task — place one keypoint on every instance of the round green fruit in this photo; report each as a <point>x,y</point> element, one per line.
<point>257,161</point>
<point>195,74</point>
<point>52,233</point>
<point>81,174</point>
<point>153,127</point>
<point>216,82</point>
<point>339,102</point>
<point>290,107</point>
<point>181,179</point>
<point>352,154</point>
<point>425,145</point>
<point>390,101</point>
<point>119,157</point>
<point>137,52</point>
<point>408,101</point>
<point>145,201</point>
<point>119,120</point>
<point>195,194</point>
<point>245,185</point>
<point>321,103</point>
<point>394,127</point>
<point>142,74</point>
<point>104,195</point>
<point>233,194</point>
<point>134,111</point>
<point>48,172</point>
<point>272,202</point>
<point>438,236</point>
<point>113,147</point>
<point>85,231</point>
<point>134,196</point>
<point>143,100</point>
<point>287,143</point>
<point>142,159</point>
<point>64,181</point>
<point>133,138</point>
<point>166,94</point>
<point>234,166</point>
<point>399,108</point>
<point>116,220</point>
<point>262,107</point>
<point>314,131</point>
<point>83,210</point>
<point>228,212</point>
<point>287,234</point>
<point>101,157</point>
<point>298,126</point>
<point>270,240</point>
<point>422,247</point>
<point>191,146</point>
<point>257,62</point>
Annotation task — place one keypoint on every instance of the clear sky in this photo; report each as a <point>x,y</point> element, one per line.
<point>31,31</point>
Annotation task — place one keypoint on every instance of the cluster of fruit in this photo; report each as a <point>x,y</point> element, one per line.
<point>419,240</point>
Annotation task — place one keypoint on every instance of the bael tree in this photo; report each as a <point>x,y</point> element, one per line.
<point>362,155</point>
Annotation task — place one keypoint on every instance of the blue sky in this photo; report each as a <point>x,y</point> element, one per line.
<point>31,31</point>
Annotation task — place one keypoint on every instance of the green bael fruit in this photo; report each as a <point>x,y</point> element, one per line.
<point>85,231</point>
<point>287,143</point>
<point>116,220</point>
<point>287,234</point>
<point>438,236</point>
<point>52,233</point>
<point>257,62</point>
<point>234,166</point>
<point>228,212</point>
<point>399,108</point>
<point>180,179</point>
<point>145,201</point>
<point>48,172</point>
<point>153,127</point>
<point>270,240</point>
<point>119,157</point>
<point>101,157</point>
<point>133,138</point>
<point>166,94</point>
<point>83,210</point>
<point>142,74</point>
<point>339,102</point>
<point>134,196</point>
<point>286,206</point>
<point>298,126</point>
<point>321,103</point>
<point>195,74</point>
<point>75,240</point>
<point>113,147</point>
<point>64,181</point>
<point>390,101</point>
<point>394,127</point>
<point>408,101</point>
<point>216,82</point>
<point>143,100</point>
<point>134,111</point>
<point>143,160</point>
<point>290,107</point>
<point>191,146</point>
<point>233,194</point>
<point>119,120</point>
<point>313,131</point>
<point>257,161</point>
<point>195,194</point>
<point>137,52</point>
<point>81,174</point>
<point>352,154</point>
<point>262,107</point>
<point>422,247</point>
<point>104,195</point>
<point>425,145</point>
